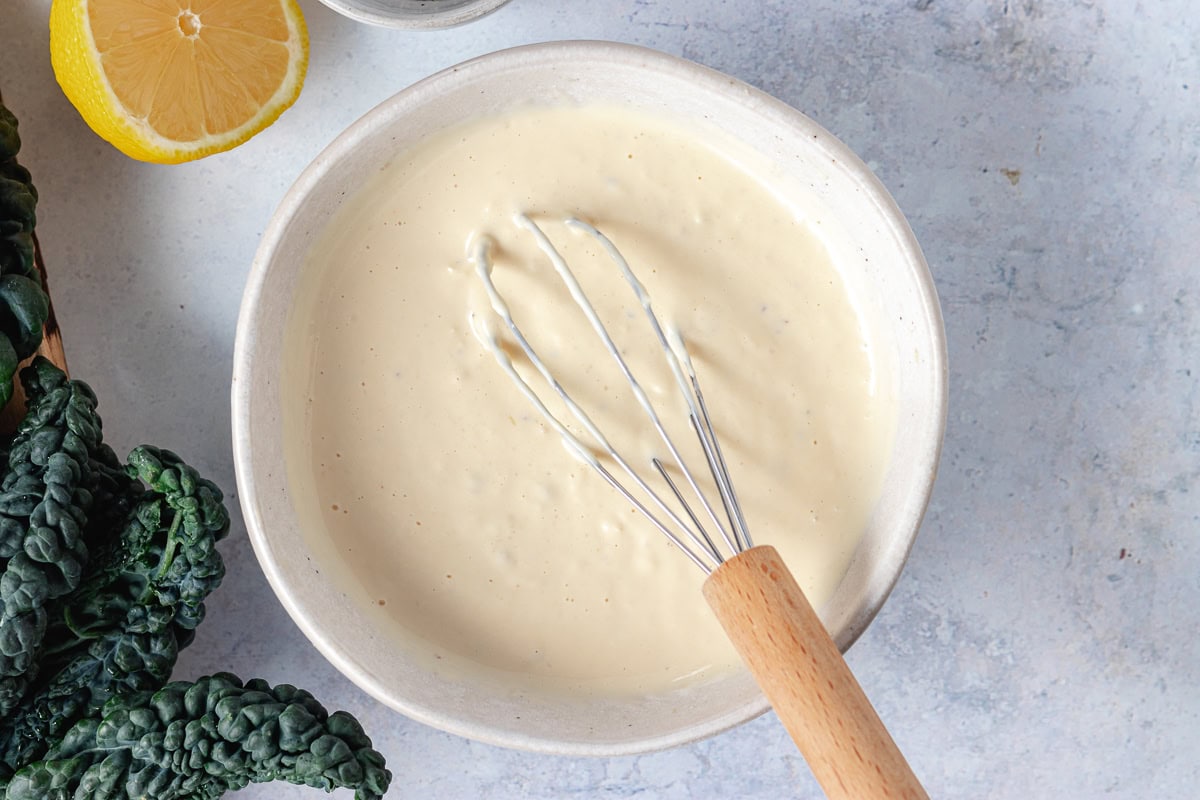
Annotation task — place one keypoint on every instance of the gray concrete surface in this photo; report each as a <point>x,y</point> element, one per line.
<point>1042,641</point>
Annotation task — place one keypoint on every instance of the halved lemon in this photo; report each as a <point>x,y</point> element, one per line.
<point>175,80</point>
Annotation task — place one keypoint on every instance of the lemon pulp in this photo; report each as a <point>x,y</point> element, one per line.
<point>173,80</point>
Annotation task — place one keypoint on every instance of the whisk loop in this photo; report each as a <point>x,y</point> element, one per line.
<point>690,535</point>
<point>752,592</point>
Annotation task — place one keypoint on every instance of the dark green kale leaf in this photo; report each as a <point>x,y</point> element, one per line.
<point>121,630</point>
<point>54,462</point>
<point>199,740</point>
<point>24,307</point>
<point>18,202</point>
<point>125,570</point>
<point>190,567</point>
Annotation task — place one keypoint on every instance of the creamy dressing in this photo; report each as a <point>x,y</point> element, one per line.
<point>452,509</point>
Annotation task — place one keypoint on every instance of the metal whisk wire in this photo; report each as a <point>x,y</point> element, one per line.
<point>752,593</point>
<point>693,539</point>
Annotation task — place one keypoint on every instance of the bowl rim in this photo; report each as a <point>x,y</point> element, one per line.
<point>247,336</point>
<point>461,13</point>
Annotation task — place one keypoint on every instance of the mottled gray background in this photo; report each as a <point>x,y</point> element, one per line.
<point>1042,641</point>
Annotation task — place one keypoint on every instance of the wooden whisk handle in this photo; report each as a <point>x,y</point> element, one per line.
<point>802,673</point>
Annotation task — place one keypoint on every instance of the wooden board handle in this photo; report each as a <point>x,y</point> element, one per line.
<point>802,673</point>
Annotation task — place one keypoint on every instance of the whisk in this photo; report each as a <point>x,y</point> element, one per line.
<point>753,594</point>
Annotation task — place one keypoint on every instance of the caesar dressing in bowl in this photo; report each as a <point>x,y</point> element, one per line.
<point>431,537</point>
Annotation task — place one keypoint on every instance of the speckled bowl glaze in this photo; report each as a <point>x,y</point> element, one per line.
<point>414,14</point>
<point>888,272</point>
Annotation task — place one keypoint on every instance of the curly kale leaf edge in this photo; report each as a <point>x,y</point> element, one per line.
<point>112,640</point>
<point>199,739</point>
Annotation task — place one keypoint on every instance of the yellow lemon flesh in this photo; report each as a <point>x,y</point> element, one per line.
<point>175,80</point>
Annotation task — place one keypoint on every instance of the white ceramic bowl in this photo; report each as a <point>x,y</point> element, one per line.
<point>891,275</point>
<point>414,14</point>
